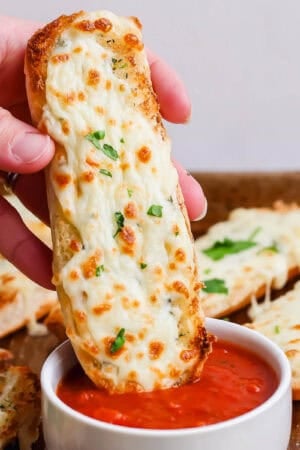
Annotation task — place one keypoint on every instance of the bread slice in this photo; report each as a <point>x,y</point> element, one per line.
<point>252,252</point>
<point>55,323</point>
<point>20,407</point>
<point>280,321</point>
<point>124,261</point>
<point>23,302</point>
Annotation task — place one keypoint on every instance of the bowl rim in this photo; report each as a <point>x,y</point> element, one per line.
<point>283,385</point>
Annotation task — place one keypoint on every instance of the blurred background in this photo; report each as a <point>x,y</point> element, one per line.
<point>240,61</point>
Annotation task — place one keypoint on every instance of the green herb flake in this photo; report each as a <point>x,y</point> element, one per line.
<point>109,151</point>
<point>95,137</point>
<point>122,140</point>
<point>106,172</point>
<point>226,319</point>
<point>99,270</point>
<point>118,342</point>
<point>271,248</point>
<point>227,247</point>
<point>155,210</point>
<point>254,233</point>
<point>143,265</point>
<point>119,218</point>
<point>170,199</point>
<point>277,329</point>
<point>176,233</point>
<point>207,271</point>
<point>61,42</point>
<point>215,286</point>
<point>130,192</point>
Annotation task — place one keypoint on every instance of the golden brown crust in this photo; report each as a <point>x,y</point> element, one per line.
<point>37,54</point>
<point>20,406</point>
<point>259,293</point>
<point>55,323</point>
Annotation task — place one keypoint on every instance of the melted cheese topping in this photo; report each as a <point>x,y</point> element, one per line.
<point>22,301</point>
<point>136,276</point>
<point>246,272</point>
<point>280,322</point>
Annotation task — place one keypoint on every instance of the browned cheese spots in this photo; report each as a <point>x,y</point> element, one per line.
<point>155,350</point>
<point>80,316</point>
<point>103,24</point>
<point>137,22</point>
<point>93,78</point>
<point>180,255</point>
<point>61,58</point>
<point>133,41</point>
<point>75,245</point>
<point>98,310</point>
<point>130,211</point>
<point>92,162</point>
<point>144,154</point>
<point>74,275</point>
<point>87,177</point>
<point>62,179</point>
<point>90,265</point>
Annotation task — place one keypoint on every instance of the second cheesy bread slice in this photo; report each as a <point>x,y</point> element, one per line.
<point>124,261</point>
<point>246,256</point>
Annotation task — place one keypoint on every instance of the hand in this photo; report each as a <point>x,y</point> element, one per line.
<point>24,150</point>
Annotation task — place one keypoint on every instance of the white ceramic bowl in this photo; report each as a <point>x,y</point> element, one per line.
<point>267,427</point>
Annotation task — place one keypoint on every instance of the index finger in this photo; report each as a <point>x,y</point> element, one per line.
<point>14,34</point>
<point>175,105</point>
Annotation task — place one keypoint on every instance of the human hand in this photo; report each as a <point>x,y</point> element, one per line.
<point>26,151</point>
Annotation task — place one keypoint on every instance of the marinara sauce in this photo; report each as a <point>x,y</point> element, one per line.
<point>233,382</point>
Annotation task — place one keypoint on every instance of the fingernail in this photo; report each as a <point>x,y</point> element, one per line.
<point>29,147</point>
<point>203,213</point>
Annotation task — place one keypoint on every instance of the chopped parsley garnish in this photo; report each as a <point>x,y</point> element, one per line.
<point>106,172</point>
<point>170,199</point>
<point>277,329</point>
<point>271,248</point>
<point>95,137</point>
<point>207,271</point>
<point>155,210</point>
<point>176,233</point>
<point>215,286</point>
<point>61,42</point>
<point>99,270</point>
<point>116,64</point>
<point>227,247</point>
<point>130,192</point>
<point>120,222</point>
<point>118,342</point>
<point>122,140</point>
<point>109,151</point>
<point>143,265</point>
<point>254,233</point>
<point>226,319</point>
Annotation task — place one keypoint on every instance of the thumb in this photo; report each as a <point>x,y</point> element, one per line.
<point>22,148</point>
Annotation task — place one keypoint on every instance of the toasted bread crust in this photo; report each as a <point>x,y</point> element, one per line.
<point>20,406</point>
<point>36,59</point>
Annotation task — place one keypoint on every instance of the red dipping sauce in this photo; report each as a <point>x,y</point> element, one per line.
<point>233,382</point>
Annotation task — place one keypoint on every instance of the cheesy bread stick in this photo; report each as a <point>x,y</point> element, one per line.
<point>124,262</point>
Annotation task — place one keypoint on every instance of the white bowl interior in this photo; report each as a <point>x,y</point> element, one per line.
<point>62,359</point>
